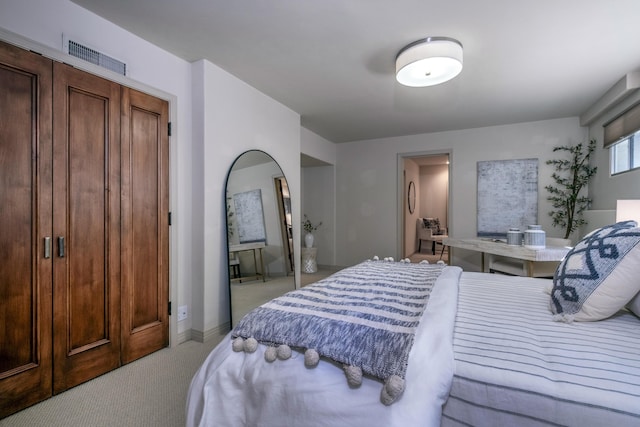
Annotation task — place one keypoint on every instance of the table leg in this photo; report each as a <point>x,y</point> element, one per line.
<point>528,266</point>
<point>262,265</point>
<point>486,262</point>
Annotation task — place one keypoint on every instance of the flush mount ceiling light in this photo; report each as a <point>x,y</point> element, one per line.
<point>429,61</point>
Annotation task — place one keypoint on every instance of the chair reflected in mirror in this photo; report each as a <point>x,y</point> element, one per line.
<point>234,266</point>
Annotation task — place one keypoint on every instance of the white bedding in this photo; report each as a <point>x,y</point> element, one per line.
<point>505,363</point>
<point>236,389</point>
<point>514,366</point>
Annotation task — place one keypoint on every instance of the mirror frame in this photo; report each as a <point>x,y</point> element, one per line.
<point>411,197</point>
<point>227,223</point>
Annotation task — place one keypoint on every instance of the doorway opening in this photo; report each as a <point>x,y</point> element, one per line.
<point>424,201</point>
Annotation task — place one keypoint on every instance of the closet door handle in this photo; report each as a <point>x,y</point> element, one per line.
<point>61,247</point>
<point>47,247</point>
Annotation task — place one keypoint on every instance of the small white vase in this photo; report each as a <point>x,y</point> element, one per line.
<point>534,237</point>
<point>308,240</point>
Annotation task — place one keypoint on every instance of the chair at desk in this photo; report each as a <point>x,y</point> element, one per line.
<point>234,266</point>
<point>429,229</point>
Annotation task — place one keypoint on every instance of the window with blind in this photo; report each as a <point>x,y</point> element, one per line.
<point>622,138</point>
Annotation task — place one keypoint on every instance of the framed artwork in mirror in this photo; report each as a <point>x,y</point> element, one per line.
<point>411,197</point>
<point>259,233</point>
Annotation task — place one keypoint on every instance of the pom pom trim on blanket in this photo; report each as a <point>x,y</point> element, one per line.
<point>376,304</point>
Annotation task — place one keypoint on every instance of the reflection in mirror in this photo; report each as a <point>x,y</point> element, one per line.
<point>259,233</point>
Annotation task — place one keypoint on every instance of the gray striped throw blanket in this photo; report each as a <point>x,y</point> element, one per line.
<point>363,317</point>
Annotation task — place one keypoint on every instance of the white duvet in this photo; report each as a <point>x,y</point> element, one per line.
<point>242,389</point>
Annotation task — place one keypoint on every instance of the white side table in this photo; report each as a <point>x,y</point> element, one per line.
<point>309,260</point>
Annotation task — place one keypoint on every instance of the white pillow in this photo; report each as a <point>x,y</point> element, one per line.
<point>634,305</point>
<point>599,276</point>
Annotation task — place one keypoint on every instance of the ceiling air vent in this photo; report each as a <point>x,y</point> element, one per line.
<point>95,57</point>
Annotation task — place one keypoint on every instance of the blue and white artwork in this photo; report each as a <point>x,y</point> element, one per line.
<point>507,196</point>
<point>249,216</point>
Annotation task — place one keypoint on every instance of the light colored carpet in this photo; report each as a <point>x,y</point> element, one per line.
<point>148,392</point>
<point>151,391</point>
<point>323,271</point>
<point>245,296</point>
<point>426,255</point>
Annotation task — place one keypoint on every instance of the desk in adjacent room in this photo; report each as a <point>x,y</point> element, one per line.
<point>256,246</point>
<point>490,247</point>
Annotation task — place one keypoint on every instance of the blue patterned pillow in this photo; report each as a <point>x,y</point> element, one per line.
<point>599,275</point>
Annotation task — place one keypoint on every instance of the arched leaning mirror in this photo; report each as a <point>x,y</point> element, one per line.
<point>259,233</point>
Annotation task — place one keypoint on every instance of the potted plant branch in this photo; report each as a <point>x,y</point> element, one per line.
<point>571,175</point>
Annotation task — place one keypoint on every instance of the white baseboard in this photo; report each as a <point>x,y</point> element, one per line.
<point>205,336</point>
<point>184,336</point>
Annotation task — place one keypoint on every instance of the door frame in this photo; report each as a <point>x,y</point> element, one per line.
<point>401,194</point>
<point>284,219</point>
<point>60,56</point>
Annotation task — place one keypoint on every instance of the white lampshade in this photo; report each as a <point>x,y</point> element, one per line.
<point>628,209</point>
<point>429,62</point>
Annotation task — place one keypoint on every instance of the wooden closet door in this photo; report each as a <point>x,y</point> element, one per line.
<point>145,227</point>
<point>86,214</point>
<point>25,212</point>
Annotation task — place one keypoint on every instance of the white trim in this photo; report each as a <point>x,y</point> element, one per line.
<point>400,201</point>
<point>210,334</point>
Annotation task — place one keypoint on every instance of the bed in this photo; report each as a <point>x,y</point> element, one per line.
<point>514,366</point>
<point>486,351</point>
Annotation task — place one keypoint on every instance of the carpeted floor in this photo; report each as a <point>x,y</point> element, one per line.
<point>427,255</point>
<point>148,392</point>
<point>151,391</point>
<point>323,271</point>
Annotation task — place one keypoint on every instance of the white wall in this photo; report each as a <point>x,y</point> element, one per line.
<point>434,192</point>
<point>367,176</point>
<point>605,189</point>
<point>411,173</point>
<point>318,195</point>
<point>317,147</point>
<point>45,21</point>
<point>215,118</point>
<point>318,202</point>
<point>235,117</point>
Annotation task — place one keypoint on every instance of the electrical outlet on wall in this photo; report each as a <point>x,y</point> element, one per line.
<point>182,312</point>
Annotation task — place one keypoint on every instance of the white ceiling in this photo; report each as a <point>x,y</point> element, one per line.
<point>333,61</point>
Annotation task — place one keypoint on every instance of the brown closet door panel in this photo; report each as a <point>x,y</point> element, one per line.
<point>17,175</point>
<point>86,239</point>
<point>145,244</point>
<point>25,210</point>
<point>87,216</point>
<point>145,216</point>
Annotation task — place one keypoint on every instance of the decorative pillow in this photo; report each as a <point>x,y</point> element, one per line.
<point>433,224</point>
<point>599,276</point>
